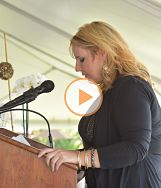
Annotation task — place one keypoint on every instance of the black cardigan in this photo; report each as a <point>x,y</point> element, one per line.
<point>127,136</point>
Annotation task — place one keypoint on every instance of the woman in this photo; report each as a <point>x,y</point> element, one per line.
<point>122,140</point>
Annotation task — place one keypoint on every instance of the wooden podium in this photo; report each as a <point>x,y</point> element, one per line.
<point>21,168</point>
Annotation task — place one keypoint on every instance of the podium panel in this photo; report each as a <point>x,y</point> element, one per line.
<point>21,168</point>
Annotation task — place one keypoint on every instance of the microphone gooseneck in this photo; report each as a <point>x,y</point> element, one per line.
<point>33,111</point>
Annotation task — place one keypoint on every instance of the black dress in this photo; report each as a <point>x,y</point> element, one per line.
<point>126,131</point>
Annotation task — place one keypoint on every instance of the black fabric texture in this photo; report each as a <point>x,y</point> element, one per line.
<point>127,136</point>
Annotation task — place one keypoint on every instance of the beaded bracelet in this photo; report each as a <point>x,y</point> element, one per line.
<point>92,158</point>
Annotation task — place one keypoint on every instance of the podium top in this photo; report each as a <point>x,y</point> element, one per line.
<point>6,135</point>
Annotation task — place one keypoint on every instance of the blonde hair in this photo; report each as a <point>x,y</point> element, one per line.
<point>120,60</point>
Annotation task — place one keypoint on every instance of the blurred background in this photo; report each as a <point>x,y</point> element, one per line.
<point>38,35</point>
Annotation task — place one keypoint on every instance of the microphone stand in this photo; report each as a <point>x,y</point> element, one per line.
<point>27,119</point>
<point>23,120</point>
<point>28,110</point>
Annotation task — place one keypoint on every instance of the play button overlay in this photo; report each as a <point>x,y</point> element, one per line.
<point>83,97</point>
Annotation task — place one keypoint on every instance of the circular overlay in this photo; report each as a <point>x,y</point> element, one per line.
<point>83,97</point>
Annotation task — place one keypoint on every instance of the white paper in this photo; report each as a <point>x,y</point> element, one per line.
<point>81,183</point>
<point>21,138</point>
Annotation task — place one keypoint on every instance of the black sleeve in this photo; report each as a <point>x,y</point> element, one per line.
<point>131,115</point>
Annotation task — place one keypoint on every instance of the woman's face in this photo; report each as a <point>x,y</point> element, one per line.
<point>88,64</point>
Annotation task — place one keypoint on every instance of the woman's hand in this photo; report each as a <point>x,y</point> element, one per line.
<point>56,157</point>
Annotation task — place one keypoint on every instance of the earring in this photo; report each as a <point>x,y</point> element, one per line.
<point>105,68</point>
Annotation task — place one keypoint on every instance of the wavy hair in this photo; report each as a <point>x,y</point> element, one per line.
<point>120,60</point>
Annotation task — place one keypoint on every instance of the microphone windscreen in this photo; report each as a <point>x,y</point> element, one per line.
<point>47,86</point>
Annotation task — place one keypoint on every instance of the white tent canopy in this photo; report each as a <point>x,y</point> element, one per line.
<point>39,32</point>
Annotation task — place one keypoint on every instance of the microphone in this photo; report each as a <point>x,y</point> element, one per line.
<point>29,95</point>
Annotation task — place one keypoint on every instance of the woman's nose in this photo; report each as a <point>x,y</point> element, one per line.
<point>78,67</point>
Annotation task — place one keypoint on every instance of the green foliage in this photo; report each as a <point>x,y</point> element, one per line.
<point>42,140</point>
<point>72,143</point>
